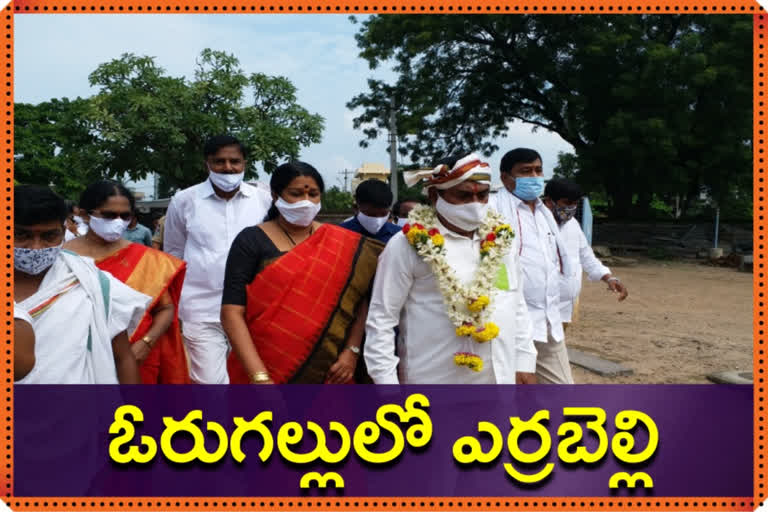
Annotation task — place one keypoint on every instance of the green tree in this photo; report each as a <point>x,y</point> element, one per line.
<point>651,104</point>
<point>149,122</point>
<point>336,200</point>
<point>54,145</point>
<point>404,192</point>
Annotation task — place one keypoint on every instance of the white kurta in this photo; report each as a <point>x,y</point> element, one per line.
<point>73,338</point>
<point>582,258</point>
<point>542,256</point>
<point>405,294</point>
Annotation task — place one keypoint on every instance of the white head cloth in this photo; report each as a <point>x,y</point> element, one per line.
<point>441,177</point>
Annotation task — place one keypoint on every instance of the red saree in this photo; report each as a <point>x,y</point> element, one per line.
<point>300,307</point>
<point>153,272</point>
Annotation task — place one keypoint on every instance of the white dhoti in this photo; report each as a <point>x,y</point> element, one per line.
<point>207,347</point>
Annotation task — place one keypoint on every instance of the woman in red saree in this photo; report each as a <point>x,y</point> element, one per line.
<point>156,340</point>
<point>295,291</point>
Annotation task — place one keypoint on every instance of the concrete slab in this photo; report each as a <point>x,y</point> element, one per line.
<point>617,261</point>
<point>597,364</point>
<point>601,251</point>
<point>731,377</point>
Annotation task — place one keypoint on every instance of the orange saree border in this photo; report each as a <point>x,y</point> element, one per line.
<point>402,503</point>
<point>154,273</point>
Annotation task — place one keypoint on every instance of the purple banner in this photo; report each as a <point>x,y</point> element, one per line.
<point>704,444</point>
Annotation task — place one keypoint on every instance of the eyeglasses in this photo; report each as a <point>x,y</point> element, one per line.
<point>113,215</point>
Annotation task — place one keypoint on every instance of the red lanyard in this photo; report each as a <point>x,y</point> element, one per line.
<point>520,231</point>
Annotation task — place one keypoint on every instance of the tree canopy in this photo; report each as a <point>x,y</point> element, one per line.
<point>143,121</point>
<point>654,106</point>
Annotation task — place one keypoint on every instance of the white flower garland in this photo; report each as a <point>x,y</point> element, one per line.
<point>496,237</point>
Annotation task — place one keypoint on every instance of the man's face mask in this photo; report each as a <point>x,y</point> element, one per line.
<point>468,216</point>
<point>372,224</point>
<point>35,261</point>
<point>564,213</point>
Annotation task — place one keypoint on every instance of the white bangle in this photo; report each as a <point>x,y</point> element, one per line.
<point>612,279</point>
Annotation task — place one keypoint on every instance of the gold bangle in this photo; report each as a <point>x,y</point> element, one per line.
<point>260,377</point>
<point>146,339</point>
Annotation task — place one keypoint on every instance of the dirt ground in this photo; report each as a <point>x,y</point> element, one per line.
<point>680,322</point>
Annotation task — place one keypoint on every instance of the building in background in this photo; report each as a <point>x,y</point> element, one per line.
<point>370,171</point>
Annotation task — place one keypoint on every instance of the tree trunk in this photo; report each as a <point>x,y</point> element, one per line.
<point>642,209</point>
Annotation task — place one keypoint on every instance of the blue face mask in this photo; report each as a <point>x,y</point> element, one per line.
<point>529,187</point>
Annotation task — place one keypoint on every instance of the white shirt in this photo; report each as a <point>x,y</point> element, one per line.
<point>405,294</point>
<point>582,258</point>
<point>540,261</point>
<point>199,228</point>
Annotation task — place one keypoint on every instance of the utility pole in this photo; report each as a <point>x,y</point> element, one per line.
<point>346,173</point>
<point>393,149</point>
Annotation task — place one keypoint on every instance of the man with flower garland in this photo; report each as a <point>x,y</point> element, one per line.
<point>452,285</point>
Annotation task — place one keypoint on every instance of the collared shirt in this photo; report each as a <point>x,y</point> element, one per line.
<point>199,228</point>
<point>385,233</point>
<point>140,234</point>
<point>582,258</point>
<point>540,261</point>
<point>405,293</point>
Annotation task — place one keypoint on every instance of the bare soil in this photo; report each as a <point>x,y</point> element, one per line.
<point>681,322</point>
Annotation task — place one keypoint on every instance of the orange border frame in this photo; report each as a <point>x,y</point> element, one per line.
<point>401,6</point>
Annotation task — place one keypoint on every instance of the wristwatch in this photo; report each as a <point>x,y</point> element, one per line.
<point>354,350</point>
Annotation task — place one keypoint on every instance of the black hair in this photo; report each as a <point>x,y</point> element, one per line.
<point>35,204</point>
<point>215,143</point>
<point>70,206</point>
<point>399,205</point>
<point>284,175</point>
<point>517,156</point>
<point>96,194</point>
<point>559,188</point>
<point>374,192</point>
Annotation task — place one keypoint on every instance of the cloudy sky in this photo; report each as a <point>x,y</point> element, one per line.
<point>55,53</point>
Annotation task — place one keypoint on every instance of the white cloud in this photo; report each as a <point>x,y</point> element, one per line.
<point>318,53</point>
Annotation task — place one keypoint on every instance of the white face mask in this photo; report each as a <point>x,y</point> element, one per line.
<point>226,182</point>
<point>300,213</point>
<point>467,216</point>
<point>82,227</point>
<point>35,261</point>
<point>109,230</point>
<point>402,221</point>
<point>371,224</point>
